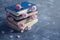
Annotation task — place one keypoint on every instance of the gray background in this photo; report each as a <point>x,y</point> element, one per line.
<point>48,27</point>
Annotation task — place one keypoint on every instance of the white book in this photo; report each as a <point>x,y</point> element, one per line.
<point>29,24</point>
<point>20,17</point>
<point>16,22</point>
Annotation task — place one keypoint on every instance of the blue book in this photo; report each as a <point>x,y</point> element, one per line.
<point>25,7</point>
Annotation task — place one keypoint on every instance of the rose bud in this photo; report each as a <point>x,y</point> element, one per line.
<point>25,15</point>
<point>21,25</point>
<point>18,7</point>
<point>33,16</point>
<point>29,28</point>
<point>34,8</point>
<point>10,19</point>
<point>8,14</point>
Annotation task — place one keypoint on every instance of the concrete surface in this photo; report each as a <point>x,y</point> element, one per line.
<point>48,27</point>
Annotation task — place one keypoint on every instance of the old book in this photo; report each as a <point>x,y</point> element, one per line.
<point>21,16</point>
<point>25,20</point>
<point>29,24</point>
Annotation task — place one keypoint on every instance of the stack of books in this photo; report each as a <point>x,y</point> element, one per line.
<point>22,16</point>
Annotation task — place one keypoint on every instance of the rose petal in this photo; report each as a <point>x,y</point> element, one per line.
<point>11,30</point>
<point>18,36</point>
<point>2,32</point>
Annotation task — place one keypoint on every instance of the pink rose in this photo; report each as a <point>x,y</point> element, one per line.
<point>10,19</point>
<point>25,15</point>
<point>34,8</point>
<point>18,7</point>
<point>33,16</point>
<point>21,25</point>
<point>8,14</point>
<point>29,28</point>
